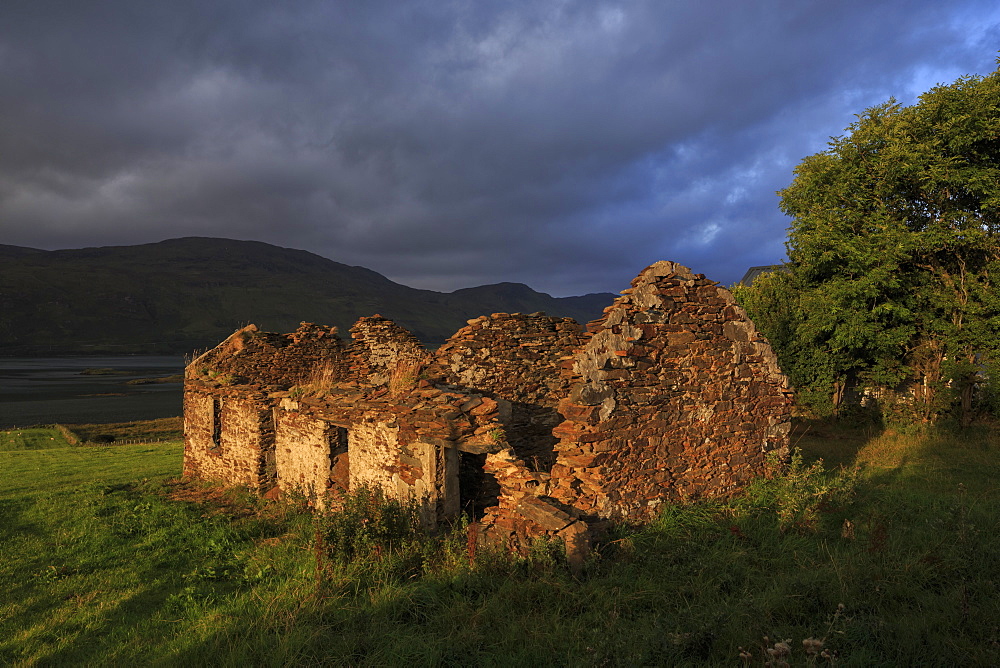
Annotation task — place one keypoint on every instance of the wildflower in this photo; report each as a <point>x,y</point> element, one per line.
<point>779,653</point>
<point>812,646</point>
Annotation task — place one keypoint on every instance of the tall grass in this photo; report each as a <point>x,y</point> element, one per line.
<point>891,564</point>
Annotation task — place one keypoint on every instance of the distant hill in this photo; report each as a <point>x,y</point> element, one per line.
<point>17,251</point>
<point>184,294</point>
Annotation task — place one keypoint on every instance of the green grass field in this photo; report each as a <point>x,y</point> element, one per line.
<point>109,561</point>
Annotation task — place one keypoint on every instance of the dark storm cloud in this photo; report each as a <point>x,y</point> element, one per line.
<point>449,144</point>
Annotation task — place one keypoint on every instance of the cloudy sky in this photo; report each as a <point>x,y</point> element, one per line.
<point>451,143</point>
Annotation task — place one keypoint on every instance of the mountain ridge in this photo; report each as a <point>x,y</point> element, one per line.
<point>177,295</point>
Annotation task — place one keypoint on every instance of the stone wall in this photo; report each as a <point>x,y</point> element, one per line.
<point>305,452</point>
<point>228,438</point>
<point>375,453</point>
<point>311,354</point>
<point>519,358</point>
<point>515,356</point>
<point>676,395</point>
<point>407,445</point>
<point>384,353</point>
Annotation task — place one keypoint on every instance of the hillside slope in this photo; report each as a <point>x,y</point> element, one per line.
<point>178,295</point>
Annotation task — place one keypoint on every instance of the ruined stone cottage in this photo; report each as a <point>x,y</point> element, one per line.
<point>531,424</point>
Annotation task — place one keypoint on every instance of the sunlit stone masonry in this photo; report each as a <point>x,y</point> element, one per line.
<point>530,424</point>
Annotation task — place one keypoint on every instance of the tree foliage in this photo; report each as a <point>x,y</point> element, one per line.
<point>894,251</point>
<point>773,301</point>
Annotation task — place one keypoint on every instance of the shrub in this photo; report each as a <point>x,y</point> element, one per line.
<point>799,494</point>
<point>369,524</point>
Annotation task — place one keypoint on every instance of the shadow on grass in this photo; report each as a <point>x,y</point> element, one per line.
<point>836,442</point>
<point>12,522</point>
<point>100,637</point>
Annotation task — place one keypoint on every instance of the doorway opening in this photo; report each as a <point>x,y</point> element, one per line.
<point>478,490</point>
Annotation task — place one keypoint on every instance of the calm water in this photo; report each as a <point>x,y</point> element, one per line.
<point>42,390</point>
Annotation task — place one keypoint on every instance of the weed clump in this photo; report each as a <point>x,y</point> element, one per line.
<point>815,652</point>
<point>368,525</point>
<point>800,494</point>
<point>370,540</point>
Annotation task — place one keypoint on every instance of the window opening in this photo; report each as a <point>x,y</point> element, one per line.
<point>216,423</point>
<point>340,465</point>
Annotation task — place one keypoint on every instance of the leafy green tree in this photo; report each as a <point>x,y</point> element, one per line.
<point>894,248</point>
<point>774,302</point>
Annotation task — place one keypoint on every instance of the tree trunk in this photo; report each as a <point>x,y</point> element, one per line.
<point>927,363</point>
<point>968,387</point>
<point>838,396</point>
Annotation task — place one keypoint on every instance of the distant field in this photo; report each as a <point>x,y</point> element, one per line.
<point>163,429</point>
<point>63,467</point>
<point>109,561</point>
<point>32,439</point>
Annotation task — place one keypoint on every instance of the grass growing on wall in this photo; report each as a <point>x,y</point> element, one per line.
<point>892,565</point>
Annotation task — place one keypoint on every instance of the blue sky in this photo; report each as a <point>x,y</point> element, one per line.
<point>565,145</point>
